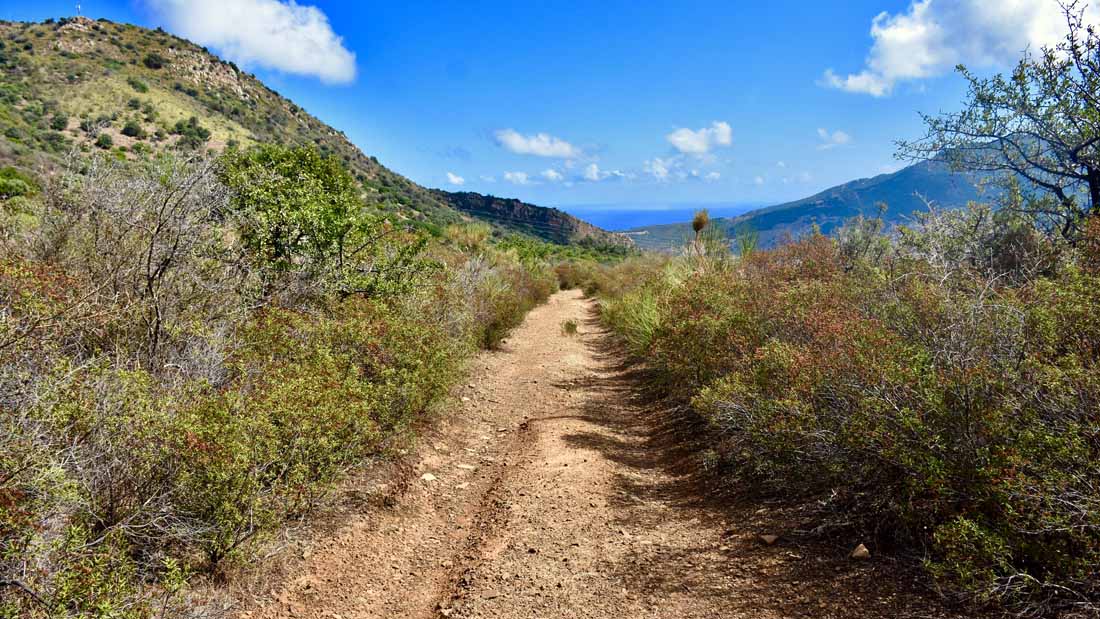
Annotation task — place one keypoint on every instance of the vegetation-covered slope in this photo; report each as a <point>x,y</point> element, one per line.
<point>69,82</point>
<point>550,224</point>
<point>903,192</point>
<point>132,91</point>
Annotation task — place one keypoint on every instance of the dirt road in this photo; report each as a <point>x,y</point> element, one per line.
<point>557,491</point>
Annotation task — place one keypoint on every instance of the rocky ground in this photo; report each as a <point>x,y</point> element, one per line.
<point>557,490</point>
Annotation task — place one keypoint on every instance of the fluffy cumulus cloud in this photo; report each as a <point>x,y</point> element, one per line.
<point>552,175</point>
<point>539,144</point>
<point>455,179</point>
<point>701,141</point>
<point>285,36</point>
<point>832,139</point>
<point>932,36</point>
<point>517,178</point>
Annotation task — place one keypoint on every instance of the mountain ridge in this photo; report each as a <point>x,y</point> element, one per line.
<point>903,192</point>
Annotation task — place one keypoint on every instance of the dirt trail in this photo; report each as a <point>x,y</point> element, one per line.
<point>554,492</point>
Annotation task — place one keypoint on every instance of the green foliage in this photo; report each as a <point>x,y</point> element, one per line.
<point>301,211</point>
<point>14,184</point>
<point>940,392</point>
<point>59,122</point>
<point>133,129</point>
<point>299,204</point>
<point>104,141</point>
<point>137,84</point>
<point>191,134</point>
<point>531,250</point>
<point>168,421</point>
<point>154,61</point>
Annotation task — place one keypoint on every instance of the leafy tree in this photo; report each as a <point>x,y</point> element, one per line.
<point>1040,124</point>
<point>301,211</point>
<point>59,122</point>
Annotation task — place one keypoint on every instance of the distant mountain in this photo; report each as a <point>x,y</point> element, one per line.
<point>549,224</point>
<point>903,192</point>
<point>77,83</point>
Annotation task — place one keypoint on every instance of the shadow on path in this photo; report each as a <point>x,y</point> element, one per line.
<point>701,538</point>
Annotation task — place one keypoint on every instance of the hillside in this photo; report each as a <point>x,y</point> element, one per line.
<point>102,85</point>
<point>548,223</point>
<point>903,192</point>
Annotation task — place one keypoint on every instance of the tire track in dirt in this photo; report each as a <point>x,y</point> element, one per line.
<point>556,490</point>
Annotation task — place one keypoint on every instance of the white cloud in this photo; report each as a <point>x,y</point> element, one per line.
<point>759,180</point>
<point>455,179</point>
<point>712,177</point>
<point>659,168</point>
<point>272,34</point>
<point>832,140</point>
<point>780,164</point>
<point>933,36</point>
<point>517,178</point>
<point>594,174</point>
<point>701,141</point>
<point>552,175</point>
<point>540,144</point>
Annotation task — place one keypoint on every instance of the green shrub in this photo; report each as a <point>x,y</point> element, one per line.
<point>104,141</point>
<point>137,85</point>
<point>192,134</point>
<point>133,129</point>
<point>954,411</point>
<point>14,184</point>
<point>167,422</point>
<point>154,61</point>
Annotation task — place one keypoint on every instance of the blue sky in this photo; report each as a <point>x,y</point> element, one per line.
<point>610,102</point>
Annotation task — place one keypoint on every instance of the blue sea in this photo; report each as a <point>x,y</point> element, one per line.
<point>623,217</point>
